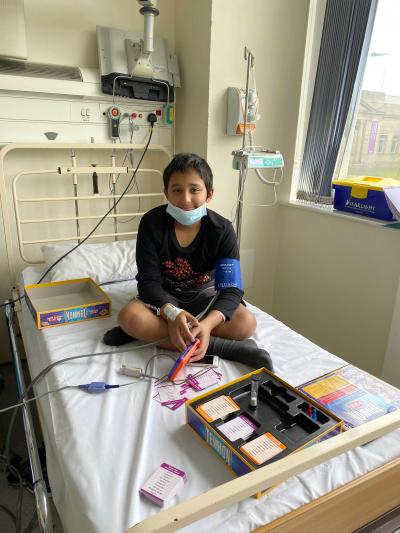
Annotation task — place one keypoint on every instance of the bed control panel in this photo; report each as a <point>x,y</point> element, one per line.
<point>247,436</point>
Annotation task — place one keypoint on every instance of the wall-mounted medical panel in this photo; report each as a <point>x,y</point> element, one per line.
<point>47,118</point>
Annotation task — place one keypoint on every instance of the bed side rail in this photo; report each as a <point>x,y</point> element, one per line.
<point>40,491</point>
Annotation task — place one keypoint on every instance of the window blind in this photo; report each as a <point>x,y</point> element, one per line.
<point>347,26</point>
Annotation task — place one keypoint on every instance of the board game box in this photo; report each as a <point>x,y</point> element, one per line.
<point>353,395</point>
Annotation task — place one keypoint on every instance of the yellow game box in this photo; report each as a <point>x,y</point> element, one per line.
<point>64,302</point>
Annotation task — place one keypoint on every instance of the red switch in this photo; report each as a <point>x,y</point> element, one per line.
<point>134,115</point>
<point>158,112</point>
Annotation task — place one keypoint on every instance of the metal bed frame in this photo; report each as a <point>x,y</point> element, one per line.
<point>342,510</point>
<point>71,172</point>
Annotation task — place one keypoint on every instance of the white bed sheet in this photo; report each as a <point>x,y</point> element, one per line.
<point>102,448</point>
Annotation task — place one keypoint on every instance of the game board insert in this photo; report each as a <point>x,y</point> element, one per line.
<point>283,415</point>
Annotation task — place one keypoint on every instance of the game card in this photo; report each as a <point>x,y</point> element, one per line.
<point>164,484</point>
<point>262,448</point>
<point>217,408</point>
<point>205,380</point>
<point>237,428</point>
<point>169,393</point>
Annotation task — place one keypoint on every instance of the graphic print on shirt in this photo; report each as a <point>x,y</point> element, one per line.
<point>180,274</point>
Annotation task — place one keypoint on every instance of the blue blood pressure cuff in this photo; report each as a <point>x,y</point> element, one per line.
<point>227,274</point>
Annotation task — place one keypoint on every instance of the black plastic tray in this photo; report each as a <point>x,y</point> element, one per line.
<point>281,410</point>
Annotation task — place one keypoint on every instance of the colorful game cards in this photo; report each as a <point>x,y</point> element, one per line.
<point>218,408</point>
<point>164,484</point>
<point>173,395</point>
<point>237,428</point>
<point>262,448</point>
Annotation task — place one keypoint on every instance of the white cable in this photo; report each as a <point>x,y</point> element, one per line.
<point>37,397</point>
<point>273,182</point>
<point>239,197</point>
<point>134,183</point>
<point>139,374</point>
<point>114,80</point>
<point>265,180</point>
<point>174,121</point>
<point>262,205</point>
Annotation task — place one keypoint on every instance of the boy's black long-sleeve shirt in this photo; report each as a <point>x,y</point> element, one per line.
<point>166,270</point>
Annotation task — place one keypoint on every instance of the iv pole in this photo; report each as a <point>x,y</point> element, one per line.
<point>249,57</point>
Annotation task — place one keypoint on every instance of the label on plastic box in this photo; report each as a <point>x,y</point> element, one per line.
<point>53,318</point>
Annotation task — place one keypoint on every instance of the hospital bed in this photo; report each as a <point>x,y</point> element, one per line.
<point>101,449</point>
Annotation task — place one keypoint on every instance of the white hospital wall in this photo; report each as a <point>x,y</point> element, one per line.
<point>278,46</point>
<point>391,366</point>
<point>336,283</point>
<point>64,33</point>
<point>332,279</point>
<point>192,46</point>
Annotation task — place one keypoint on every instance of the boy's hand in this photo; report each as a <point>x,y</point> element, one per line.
<point>179,332</point>
<point>203,332</point>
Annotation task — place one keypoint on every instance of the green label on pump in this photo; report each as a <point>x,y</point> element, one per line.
<point>264,161</point>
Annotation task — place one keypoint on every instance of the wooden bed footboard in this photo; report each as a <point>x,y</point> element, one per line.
<point>347,508</point>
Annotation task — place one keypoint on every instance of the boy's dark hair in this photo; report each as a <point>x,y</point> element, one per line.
<point>181,163</point>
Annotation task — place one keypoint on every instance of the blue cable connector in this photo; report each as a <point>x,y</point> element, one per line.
<point>97,386</point>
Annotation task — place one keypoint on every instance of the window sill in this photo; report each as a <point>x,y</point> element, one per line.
<point>329,211</point>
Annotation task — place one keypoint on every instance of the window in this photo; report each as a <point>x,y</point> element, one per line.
<point>382,144</point>
<point>346,33</point>
<point>371,148</point>
<point>395,144</point>
<point>354,116</point>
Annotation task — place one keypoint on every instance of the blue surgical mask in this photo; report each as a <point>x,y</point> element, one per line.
<point>187,217</point>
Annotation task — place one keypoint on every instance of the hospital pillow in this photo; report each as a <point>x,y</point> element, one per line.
<point>109,261</point>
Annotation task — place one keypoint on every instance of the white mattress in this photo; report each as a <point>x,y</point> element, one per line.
<point>102,448</point>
